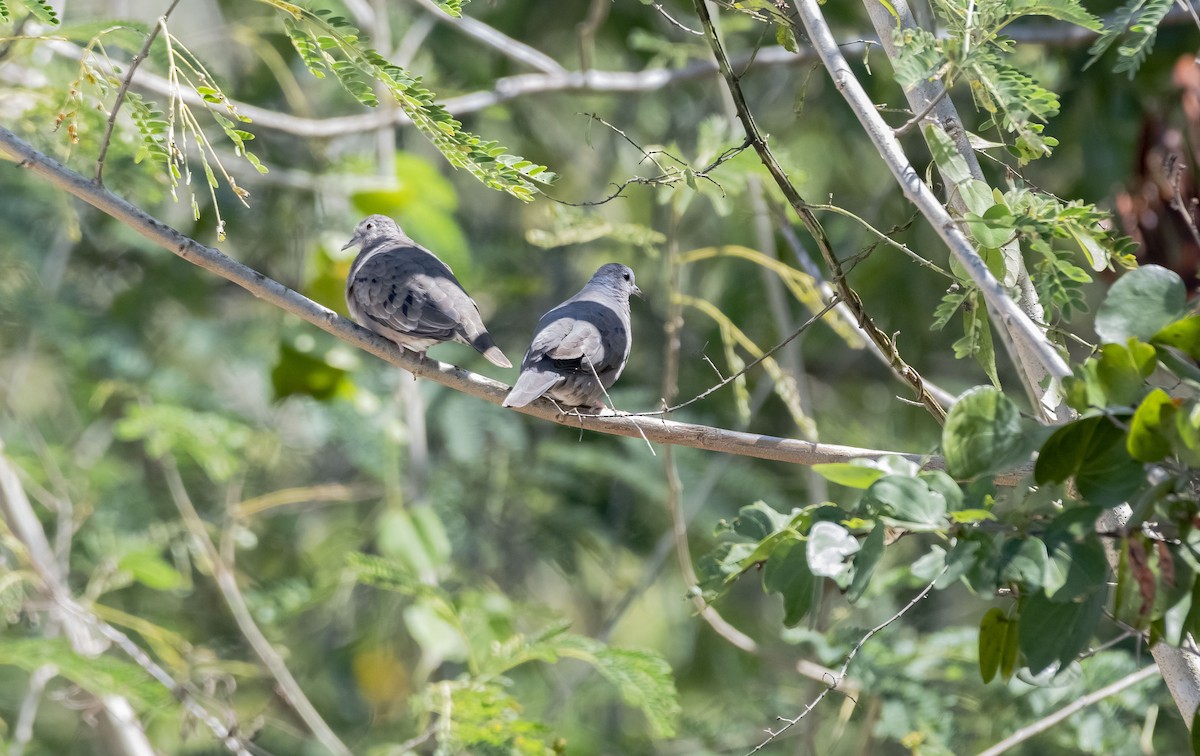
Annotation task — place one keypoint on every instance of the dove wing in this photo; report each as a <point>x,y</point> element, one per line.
<point>409,290</point>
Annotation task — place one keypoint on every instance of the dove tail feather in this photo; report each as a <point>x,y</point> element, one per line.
<point>529,386</point>
<point>484,344</point>
<point>496,357</point>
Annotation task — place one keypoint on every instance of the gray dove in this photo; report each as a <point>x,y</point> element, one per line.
<point>403,292</point>
<point>583,339</point>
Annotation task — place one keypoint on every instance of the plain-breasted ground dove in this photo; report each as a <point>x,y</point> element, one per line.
<point>403,292</point>
<point>580,347</point>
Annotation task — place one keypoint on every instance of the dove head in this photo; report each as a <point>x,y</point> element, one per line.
<point>616,277</point>
<point>372,229</point>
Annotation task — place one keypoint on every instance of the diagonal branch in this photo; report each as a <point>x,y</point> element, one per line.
<point>1027,732</point>
<point>832,684</point>
<point>1029,338</point>
<point>774,448</point>
<point>931,103</point>
<point>293,694</point>
<point>804,211</point>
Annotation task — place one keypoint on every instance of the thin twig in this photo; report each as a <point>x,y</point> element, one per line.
<point>23,732</point>
<point>181,691</point>
<point>495,39</point>
<point>841,675</point>
<point>329,492</point>
<point>710,615</point>
<point>911,123</point>
<point>832,304</point>
<point>1174,169</point>
<point>293,694</point>
<point>673,21</point>
<point>809,219</point>
<point>133,66</point>
<point>679,521</point>
<point>1045,723</point>
<point>613,405</point>
<point>666,176</point>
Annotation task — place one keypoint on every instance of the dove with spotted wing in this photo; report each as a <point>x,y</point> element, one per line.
<point>403,292</point>
<point>581,346</point>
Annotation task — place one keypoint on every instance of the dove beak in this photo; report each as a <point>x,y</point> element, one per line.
<point>353,240</point>
<point>637,291</point>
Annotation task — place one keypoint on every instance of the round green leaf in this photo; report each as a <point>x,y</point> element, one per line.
<point>1149,432</point>
<point>908,502</point>
<point>1140,304</point>
<point>787,573</point>
<point>983,434</point>
<point>1051,632</point>
<point>1182,334</point>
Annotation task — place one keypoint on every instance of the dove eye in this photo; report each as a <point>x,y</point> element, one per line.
<point>626,276</point>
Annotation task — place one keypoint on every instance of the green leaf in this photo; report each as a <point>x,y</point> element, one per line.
<point>829,546</point>
<point>858,473</point>
<point>149,568</point>
<point>1183,334</point>
<point>1070,11</point>
<point>1023,561</point>
<point>1137,22</point>
<point>983,434</point>
<point>968,516</point>
<point>219,445</point>
<point>1055,633</point>
<point>1093,450</point>
<point>306,374</point>
<point>907,502</point>
<point>994,630</point>
<point>865,561</point>
<point>100,675</point>
<point>643,678</point>
<point>785,38</point>
<point>976,194</point>
<point>994,228</point>
<point>1075,569</point>
<point>942,484</point>
<point>788,574</point>
<point>1150,430</point>
<point>399,538</point>
<point>758,520</point>
<point>1140,304</point>
<point>1122,371</point>
<point>42,11</point>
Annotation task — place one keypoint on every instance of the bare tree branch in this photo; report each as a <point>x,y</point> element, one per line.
<point>495,39</point>
<point>804,211</point>
<point>293,694</point>
<point>929,100</point>
<point>1027,732</point>
<point>773,448</point>
<point>1023,330</point>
